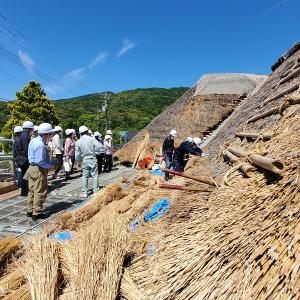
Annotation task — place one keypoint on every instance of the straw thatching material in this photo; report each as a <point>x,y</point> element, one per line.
<point>41,267</point>
<point>11,281</point>
<point>128,288</point>
<point>99,263</point>
<point>72,220</point>
<point>8,246</point>
<point>22,293</point>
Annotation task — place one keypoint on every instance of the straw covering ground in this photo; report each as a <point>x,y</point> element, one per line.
<point>240,241</point>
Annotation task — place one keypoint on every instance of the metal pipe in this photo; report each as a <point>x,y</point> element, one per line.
<point>264,136</point>
<point>6,141</point>
<point>246,168</point>
<point>4,158</point>
<point>273,165</point>
<point>202,179</point>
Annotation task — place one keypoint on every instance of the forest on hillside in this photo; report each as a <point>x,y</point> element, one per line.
<point>128,110</point>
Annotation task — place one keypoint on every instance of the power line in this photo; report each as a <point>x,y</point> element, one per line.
<point>23,40</point>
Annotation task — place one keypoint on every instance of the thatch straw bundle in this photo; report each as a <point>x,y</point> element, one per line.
<point>41,267</point>
<point>11,281</point>
<point>128,288</point>
<point>94,271</point>
<point>8,246</point>
<point>22,293</point>
<point>72,220</point>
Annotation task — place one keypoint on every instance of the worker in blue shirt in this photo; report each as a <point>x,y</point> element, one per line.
<point>39,161</point>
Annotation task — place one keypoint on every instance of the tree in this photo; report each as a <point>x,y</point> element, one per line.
<point>31,104</point>
<point>87,120</point>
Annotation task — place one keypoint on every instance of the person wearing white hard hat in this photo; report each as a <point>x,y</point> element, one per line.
<point>108,153</point>
<point>184,149</point>
<point>85,153</point>
<point>69,152</point>
<point>168,150</point>
<point>35,131</point>
<point>189,139</point>
<point>100,151</point>
<point>58,150</point>
<point>16,146</point>
<point>109,132</point>
<point>37,172</point>
<point>22,156</point>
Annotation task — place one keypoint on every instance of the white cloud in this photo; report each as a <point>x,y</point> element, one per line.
<point>74,76</point>
<point>126,46</point>
<point>99,59</point>
<point>27,62</point>
<point>67,81</point>
<point>277,5</point>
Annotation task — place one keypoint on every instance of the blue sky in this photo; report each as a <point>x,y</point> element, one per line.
<point>75,47</point>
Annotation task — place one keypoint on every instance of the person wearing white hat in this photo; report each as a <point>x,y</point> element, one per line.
<point>35,131</point>
<point>185,148</point>
<point>37,172</point>
<point>100,151</point>
<point>168,150</point>
<point>22,156</point>
<point>85,152</point>
<point>108,153</point>
<point>69,152</point>
<point>16,146</point>
<point>58,150</point>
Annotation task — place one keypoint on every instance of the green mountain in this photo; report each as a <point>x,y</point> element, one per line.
<point>128,110</point>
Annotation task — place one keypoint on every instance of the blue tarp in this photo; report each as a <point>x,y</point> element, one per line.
<point>62,236</point>
<point>158,210</point>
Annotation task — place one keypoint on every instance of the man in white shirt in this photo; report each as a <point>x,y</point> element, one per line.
<point>58,150</point>
<point>85,152</point>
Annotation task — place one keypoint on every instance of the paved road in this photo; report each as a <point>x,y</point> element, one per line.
<point>63,195</point>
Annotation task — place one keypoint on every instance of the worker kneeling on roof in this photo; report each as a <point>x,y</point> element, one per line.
<point>37,173</point>
<point>185,148</point>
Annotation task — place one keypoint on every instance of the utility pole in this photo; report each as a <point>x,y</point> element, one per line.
<point>105,110</point>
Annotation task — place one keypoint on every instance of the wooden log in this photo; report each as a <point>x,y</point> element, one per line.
<point>292,75</point>
<point>273,165</point>
<point>202,179</point>
<point>283,93</point>
<point>264,136</point>
<point>184,188</point>
<point>278,109</point>
<point>246,168</point>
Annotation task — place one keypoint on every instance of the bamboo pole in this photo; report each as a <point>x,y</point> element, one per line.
<point>202,179</point>
<point>278,109</point>
<point>283,93</point>
<point>264,136</point>
<point>184,188</point>
<point>246,168</point>
<point>292,75</point>
<point>273,165</point>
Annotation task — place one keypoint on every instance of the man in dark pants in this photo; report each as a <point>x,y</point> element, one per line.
<point>16,148</point>
<point>100,151</point>
<point>58,150</point>
<point>22,157</point>
<point>168,150</point>
<point>185,148</point>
